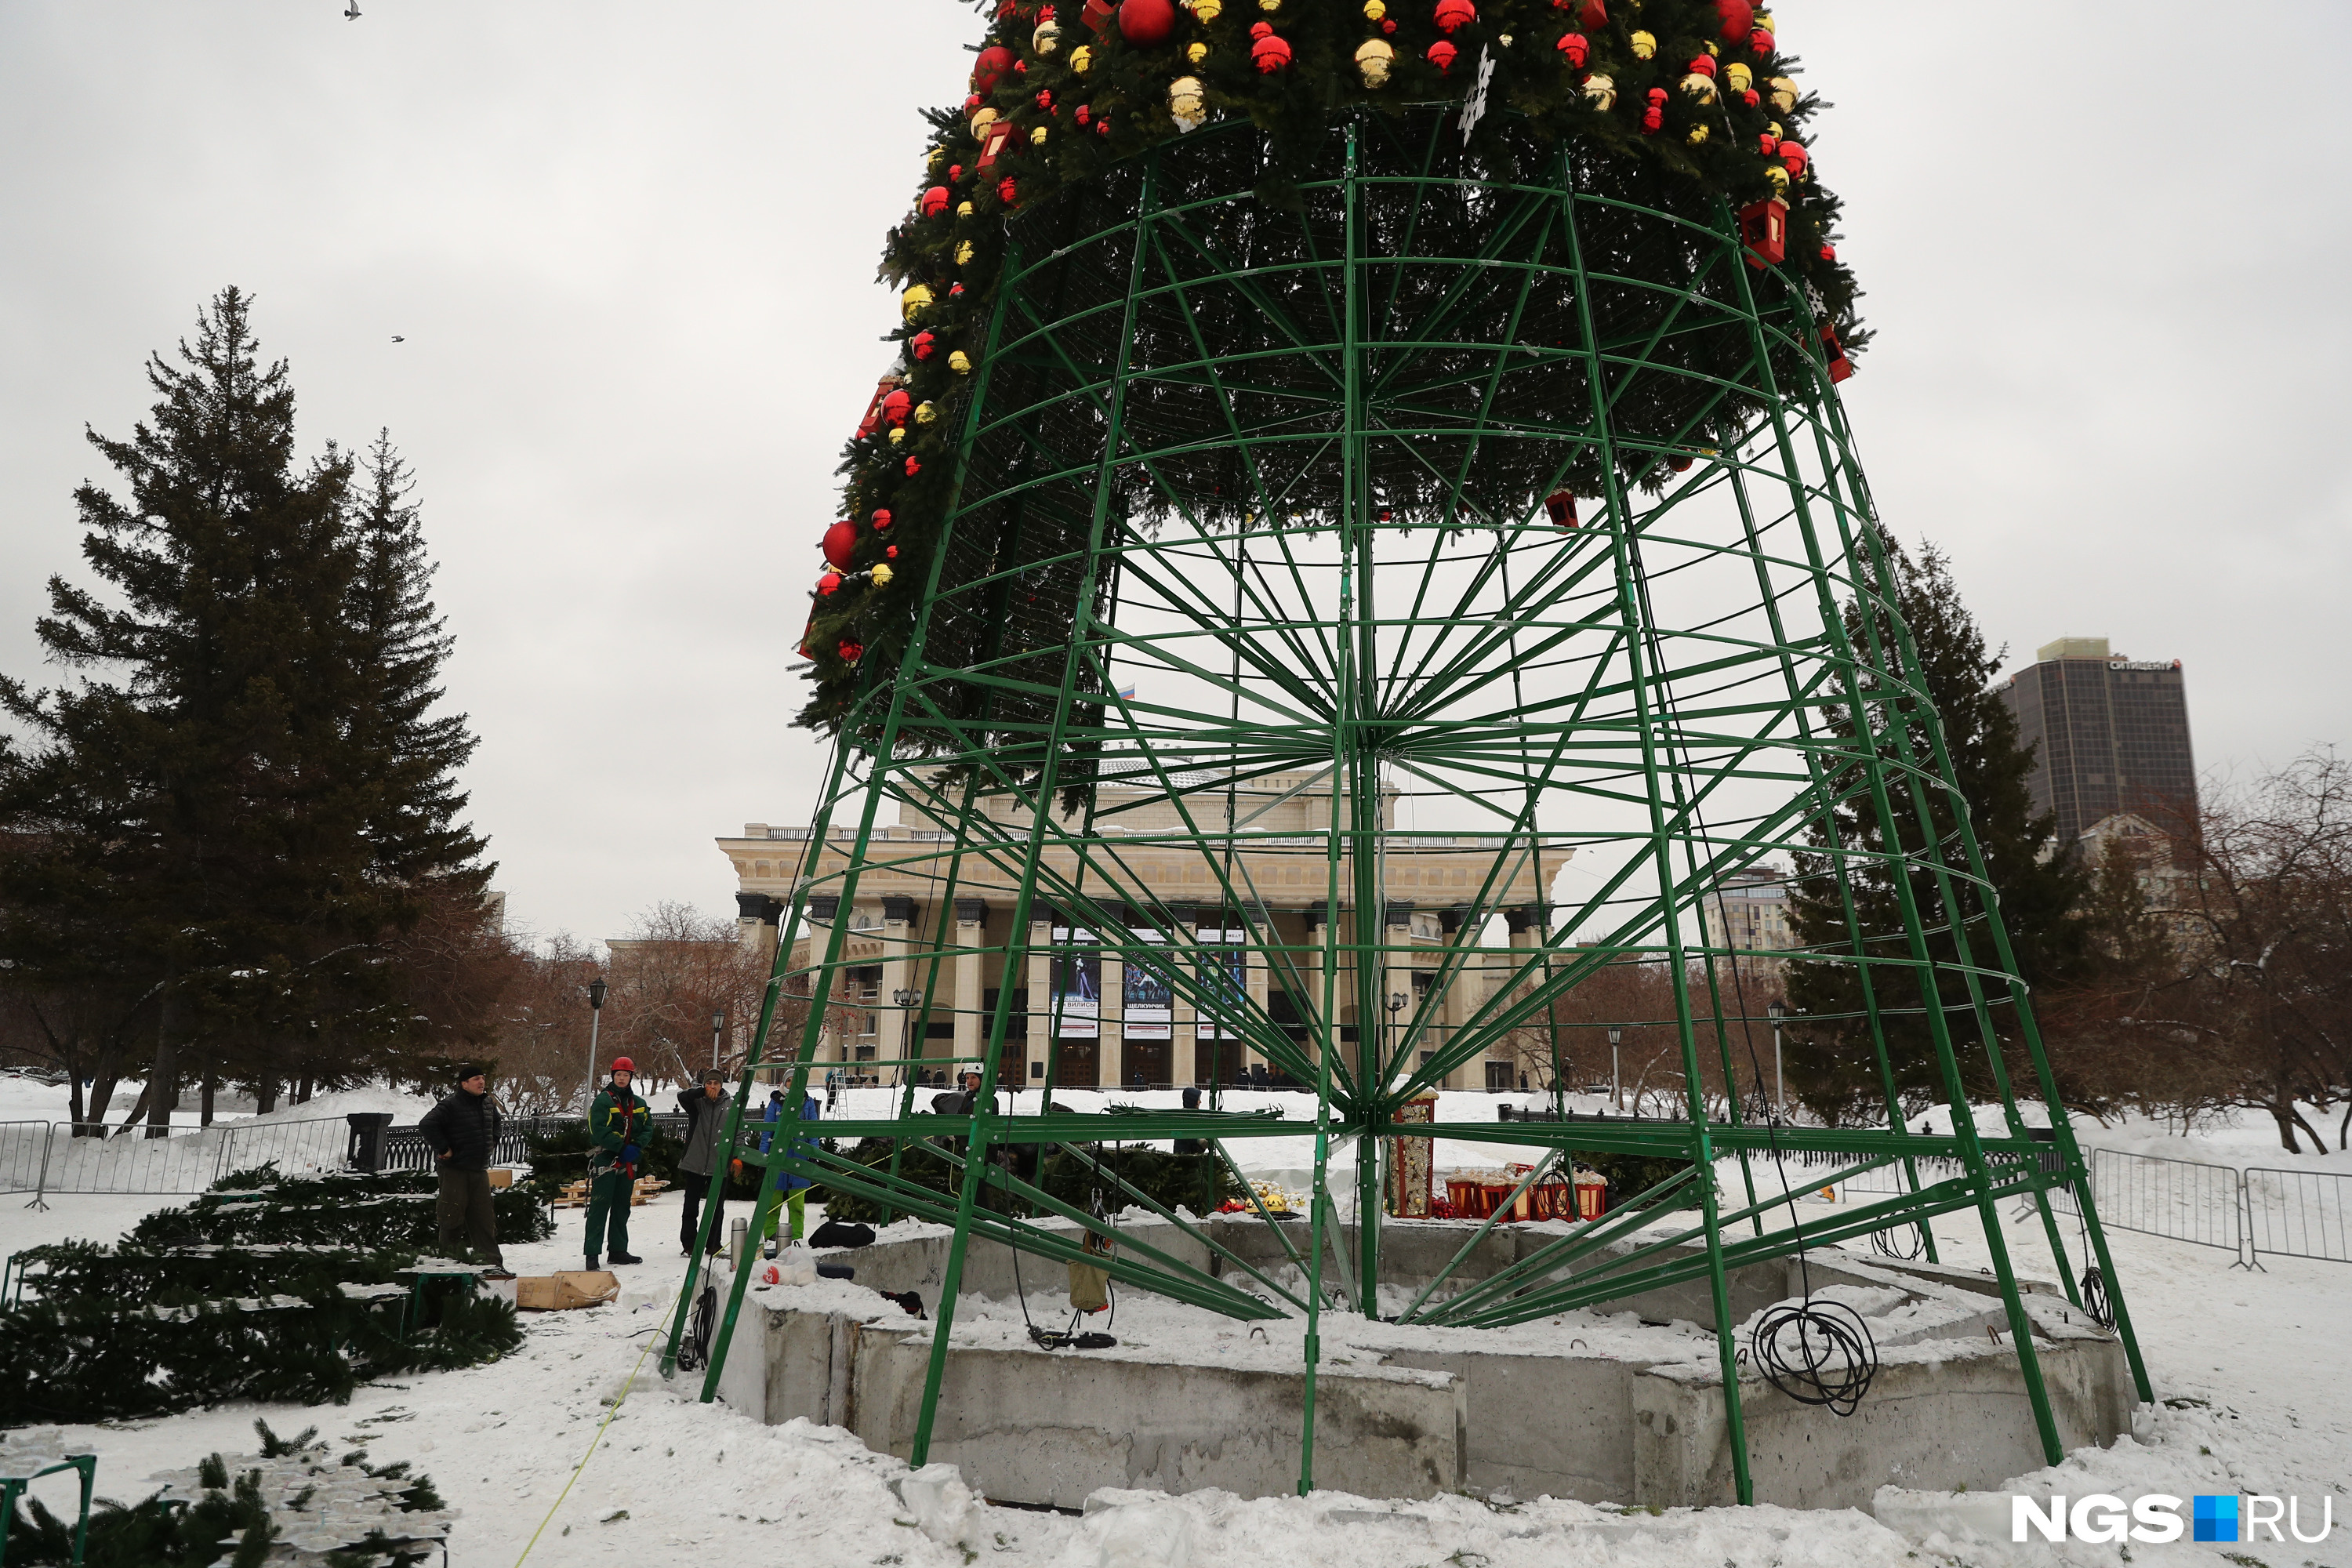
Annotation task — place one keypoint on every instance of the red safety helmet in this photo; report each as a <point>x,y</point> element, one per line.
<point>622,1064</point>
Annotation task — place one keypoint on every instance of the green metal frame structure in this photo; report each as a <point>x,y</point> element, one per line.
<point>1228,509</point>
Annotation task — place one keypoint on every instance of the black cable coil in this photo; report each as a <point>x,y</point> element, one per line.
<point>2094,1297</point>
<point>1816,1352</point>
<point>1903,1243</point>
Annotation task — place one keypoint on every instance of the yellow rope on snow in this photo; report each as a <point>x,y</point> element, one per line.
<point>599,1438</point>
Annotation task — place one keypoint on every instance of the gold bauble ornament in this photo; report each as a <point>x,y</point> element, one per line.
<point>963,209</point>
<point>926,412</point>
<point>915,300</point>
<point>931,159</point>
<point>1186,105</point>
<point>1764,20</point>
<point>1036,136</point>
<point>1698,134</point>
<point>1373,57</point>
<point>1269,7</point>
<point>1738,77</point>
<point>1601,91</point>
<point>1196,51</point>
<point>1082,60</point>
<point>1207,11</point>
<point>898,434</point>
<point>1374,10</point>
<point>1046,38</point>
<point>1778,177</point>
<point>964,253</point>
<point>959,362</point>
<point>1644,45</point>
<point>1784,94</point>
<point>980,120</point>
<point>881,575</point>
<point>1699,86</point>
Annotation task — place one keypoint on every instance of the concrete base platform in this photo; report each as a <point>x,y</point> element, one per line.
<point>1405,1412</point>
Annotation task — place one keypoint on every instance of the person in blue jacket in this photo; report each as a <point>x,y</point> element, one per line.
<point>794,1188</point>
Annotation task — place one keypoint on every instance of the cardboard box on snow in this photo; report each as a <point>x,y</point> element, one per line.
<point>561,1292</point>
<point>501,1177</point>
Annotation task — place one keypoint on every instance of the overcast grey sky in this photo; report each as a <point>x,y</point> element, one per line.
<point>631,246</point>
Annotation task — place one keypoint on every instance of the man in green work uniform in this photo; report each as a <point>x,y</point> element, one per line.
<point>617,1123</point>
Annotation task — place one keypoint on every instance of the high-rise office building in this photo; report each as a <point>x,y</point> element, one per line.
<point>2111,734</point>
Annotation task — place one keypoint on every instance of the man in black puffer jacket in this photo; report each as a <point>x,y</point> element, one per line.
<point>462,1133</point>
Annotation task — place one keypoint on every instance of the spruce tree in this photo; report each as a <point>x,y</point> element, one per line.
<point>242,786</point>
<point>2040,886</point>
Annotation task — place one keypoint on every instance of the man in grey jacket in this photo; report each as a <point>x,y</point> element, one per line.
<point>705,1113</point>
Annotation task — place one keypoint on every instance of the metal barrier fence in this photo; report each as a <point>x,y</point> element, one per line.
<point>2250,1213</point>
<point>2297,1214</point>
<point>23,1151</point>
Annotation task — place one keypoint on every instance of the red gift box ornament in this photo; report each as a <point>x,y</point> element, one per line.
<point>1764,231</point>
<point>1840,366</point>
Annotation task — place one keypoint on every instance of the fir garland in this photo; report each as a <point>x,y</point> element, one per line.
<point>1674,104</point>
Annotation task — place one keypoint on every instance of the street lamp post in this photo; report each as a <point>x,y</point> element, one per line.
<point>905,999</point>
<point>1396,1006</point>
<point>1616,1083</point>
<point>1778,1010</point>
<point>717,1029</point>
<point>596,990</point>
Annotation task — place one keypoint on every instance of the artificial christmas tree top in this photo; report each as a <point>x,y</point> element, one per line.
<point>1676,112</point>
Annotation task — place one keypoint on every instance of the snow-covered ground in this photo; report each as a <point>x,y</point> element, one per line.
<point>2254,1371</point>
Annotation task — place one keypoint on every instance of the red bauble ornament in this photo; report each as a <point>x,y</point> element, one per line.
<point>1146,22</point>
<point>1829,253</point>
<point>1102,127</point>
<point>897,406</point>
<point>955,171</point>
<point>989,68</point>
<point>1752,98</point>
<point>1020,68</point>
<point>1577,47</point>
<point>1452,14</point>
<point>1388,27</point>
<point>839,541</point>
<point>1794,158</point>
<point>1701,65</point>
<point>970,102</point>
<point>1680,463</point>
<point>1007,192</point>
<point>935,201</point>
<point>1737,17</point>
<point>1085,119</point>
<point>850,652</point>
<point>881,519</point>
<point>1269,54</point>
<point>829,585</point>
<point>953,289</point>
<point>1652,121</point>
<point>914,466</point>
<point>1045,97</point>
<point>890,551</point>
<point>1441,55</point>
<point>1760,41</point>
<point>923,345</point>
<point>1767,144</point>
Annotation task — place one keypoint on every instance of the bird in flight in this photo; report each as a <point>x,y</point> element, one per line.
<point>398,338</point>
<point>351,13</point>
